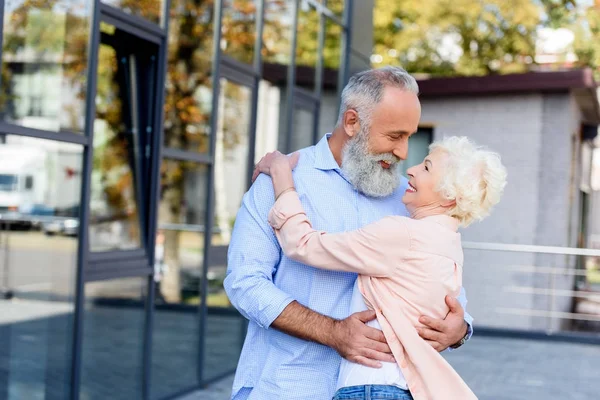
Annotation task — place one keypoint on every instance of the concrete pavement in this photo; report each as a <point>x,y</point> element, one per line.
<point>507,369</point>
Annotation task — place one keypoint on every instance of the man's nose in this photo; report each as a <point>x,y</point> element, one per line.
<point>401,150</point>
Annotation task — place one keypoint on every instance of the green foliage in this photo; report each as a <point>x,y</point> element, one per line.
<point>487,36</point>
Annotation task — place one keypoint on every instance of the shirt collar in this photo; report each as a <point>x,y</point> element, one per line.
<point>324,159</point>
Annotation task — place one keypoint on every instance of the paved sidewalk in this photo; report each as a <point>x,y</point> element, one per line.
<point>507,369</point>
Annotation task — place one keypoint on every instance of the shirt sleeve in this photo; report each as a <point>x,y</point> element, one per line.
<point>365,251</point>
<point>462,299</point>
<point>253,258</point>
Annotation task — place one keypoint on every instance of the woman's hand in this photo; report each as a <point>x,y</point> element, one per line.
<point>275,161</point>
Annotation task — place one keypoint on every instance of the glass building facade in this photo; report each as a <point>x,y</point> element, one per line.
<point>127,127</point>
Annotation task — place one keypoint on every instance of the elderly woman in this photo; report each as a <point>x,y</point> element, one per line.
<point>406,265</point>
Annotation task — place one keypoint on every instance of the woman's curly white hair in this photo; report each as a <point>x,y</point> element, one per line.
<point>474,177</point>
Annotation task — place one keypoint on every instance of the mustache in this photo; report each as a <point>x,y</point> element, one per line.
<point>387,157</point>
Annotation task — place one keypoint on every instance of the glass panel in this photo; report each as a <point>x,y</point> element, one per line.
<point>39,216</point>
<point>239,29</point>
<point>332,50</point>
<point>178,274</point>
<point>114,217</point>
<point>231,158</point>
<point>175,344</point>
<point>302,133</point>
<point>330,98</point>
<point>149,9</point>
<point>418,145</point>
<point>307,46</point>
<point>225,331</point>
<point>188,101</point>
<point>336,6</point>
<point>270,119</point>
<point>224,324</point>
<point>183,195</point>
<point>277,31</point>
<point>43,75</point>
<point>113,338</point>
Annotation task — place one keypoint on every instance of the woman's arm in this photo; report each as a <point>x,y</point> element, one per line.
<point>279,167</point>
<point>374,250</point>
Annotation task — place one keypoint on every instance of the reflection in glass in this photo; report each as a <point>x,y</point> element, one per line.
<point>336,6</point>
<point>269,120</point>
<point>231,157</point>
<point>224,324</point>
<point>39,217</point>
<point>302,133</point>
<point>113,338</point>
<point>181,217</point>
<point>149,9</point>
<point>307,47</point>
<point>330,98</point>
<point>277,31</point>
<point>176,335</point>
<point>225,331</point>
<point>332,49</point>
<point>188,90</point>
<point>178,270</point>
<point>114,219</point>
<point>239,29</point>
<point>44,64</point>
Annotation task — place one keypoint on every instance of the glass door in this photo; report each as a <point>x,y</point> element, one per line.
<point>120,181</point>
<point>119,269</point>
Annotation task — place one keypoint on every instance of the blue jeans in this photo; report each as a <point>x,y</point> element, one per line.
<point>372,392</point>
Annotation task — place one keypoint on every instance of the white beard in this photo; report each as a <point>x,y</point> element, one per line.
<point>363,170</point>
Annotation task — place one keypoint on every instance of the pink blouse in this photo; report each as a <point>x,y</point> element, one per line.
<point>406,268</point>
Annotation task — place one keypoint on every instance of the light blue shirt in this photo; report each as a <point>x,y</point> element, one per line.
<point>261,281</point>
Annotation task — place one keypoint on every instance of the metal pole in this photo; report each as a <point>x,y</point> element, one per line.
<point>156,130</point>
<point>83,247</point>
<point>209,217</point>
<point>319,76</point>
<point>255,91</point>
<point>5,292</point>
<point>291,82</point>
<point>346,48</point>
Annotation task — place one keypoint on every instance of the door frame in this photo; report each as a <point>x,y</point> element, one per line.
<point>136,263</point>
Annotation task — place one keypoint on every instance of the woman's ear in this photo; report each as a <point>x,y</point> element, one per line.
<point>449,203</point>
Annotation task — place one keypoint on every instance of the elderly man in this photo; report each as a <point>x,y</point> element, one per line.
<point>299,325</point>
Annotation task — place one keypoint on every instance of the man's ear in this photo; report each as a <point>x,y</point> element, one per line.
<point>351,122</point>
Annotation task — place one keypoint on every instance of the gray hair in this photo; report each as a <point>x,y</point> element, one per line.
<point>365,90</point>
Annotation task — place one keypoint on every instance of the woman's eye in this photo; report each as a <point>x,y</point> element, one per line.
<point>426,168</point>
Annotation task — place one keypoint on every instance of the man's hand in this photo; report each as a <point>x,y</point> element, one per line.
<point>443,333</point>
<point>359,343</point>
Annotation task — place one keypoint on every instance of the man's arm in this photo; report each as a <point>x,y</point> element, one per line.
<point>443,333</point>
<point>252,263</point>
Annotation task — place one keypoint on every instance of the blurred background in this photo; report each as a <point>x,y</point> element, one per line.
<point>127,127</point>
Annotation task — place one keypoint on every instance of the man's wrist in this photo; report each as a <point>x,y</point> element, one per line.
<point>328,335</point>
<point>463,338</point>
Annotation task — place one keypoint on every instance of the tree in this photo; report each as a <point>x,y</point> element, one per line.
<point>587,38</point>
<point>487,37</point>
<point>464,37</point>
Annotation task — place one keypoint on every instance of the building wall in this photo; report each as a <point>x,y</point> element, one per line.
<point>532,133</point>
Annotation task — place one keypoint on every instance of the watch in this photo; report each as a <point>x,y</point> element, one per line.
<point>461,341</point>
